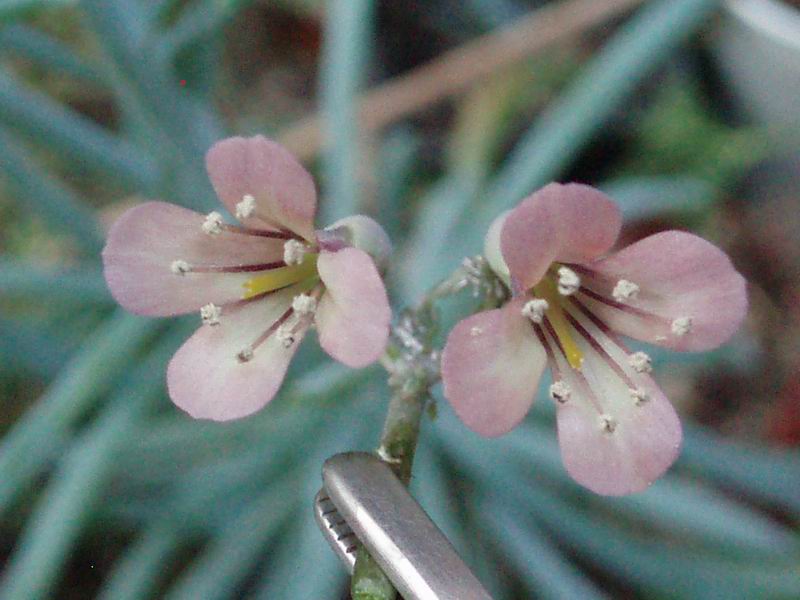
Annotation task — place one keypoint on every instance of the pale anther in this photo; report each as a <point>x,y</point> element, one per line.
<point>179,267</point>
<point>607,423</point>
<point>304,305</point>
<point>245,354</point>
<point>682,325</point>
<point>213,223</point>
<point>293,252</point>
<point>246,207</point>
<point>285,336</point>
<point>639,395</point>
<point>535,309</point>
<point>475,331</point>
<point>210,314</point>
<point>568,281</point>
<point>625,290</point>
<point>640,362</point>
<point>560,392</point>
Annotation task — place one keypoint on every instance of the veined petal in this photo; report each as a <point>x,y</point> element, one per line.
<point>146,240</point>
<point>491,366</point>
<point>679,276</point>
<point>207,380</point>
<point>612,441</point>
<point>282,189</point>
<point>353,315</point>
<point>567,223</point>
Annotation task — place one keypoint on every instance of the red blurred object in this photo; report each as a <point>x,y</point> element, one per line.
<point>783,422</point>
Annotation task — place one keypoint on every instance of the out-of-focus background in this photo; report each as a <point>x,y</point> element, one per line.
<point>432,116</point>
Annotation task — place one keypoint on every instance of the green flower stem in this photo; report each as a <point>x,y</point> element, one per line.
<point>412,363</point>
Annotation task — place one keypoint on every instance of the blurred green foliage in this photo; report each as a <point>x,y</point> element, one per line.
<point>105,488</point>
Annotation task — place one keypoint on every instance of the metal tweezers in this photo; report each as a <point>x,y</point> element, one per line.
<point>363,502</point>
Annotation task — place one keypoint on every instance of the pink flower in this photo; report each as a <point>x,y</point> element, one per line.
<point>616,429</point>
<point>258,286</point>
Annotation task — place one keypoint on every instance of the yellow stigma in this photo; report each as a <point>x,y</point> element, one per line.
<point>546,289</point>
<point>281,277</point>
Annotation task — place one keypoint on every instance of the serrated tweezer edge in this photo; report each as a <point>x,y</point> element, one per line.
<point>362,501</point>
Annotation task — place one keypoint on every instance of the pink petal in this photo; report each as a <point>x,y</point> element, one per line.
<point>206,379</point>
<point>568,223</point>
<point>144,242</point>
<point>353,315</point>
<point>646,438</point>
<point>491,367</point>
<point>283,190</point>
<point>679,275</point>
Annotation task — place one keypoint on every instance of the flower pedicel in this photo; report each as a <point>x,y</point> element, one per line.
<point>257,286</point>
<point>616,429</point>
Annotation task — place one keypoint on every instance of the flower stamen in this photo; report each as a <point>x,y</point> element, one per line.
<point>210,314</point>
<point>180,267</point>
<point>639,396</point>
<point>607,423</point>
<point>681,326</point>
<point>245,354</point>
<point>534,309</point>
<point>625,290</point>
<point>546,289</point>
<point>568,281</point>
<point>246,208</point>
<point>294,252</point>
<point>213,225</point>
<point>640,362</point>
<point>560,392</point>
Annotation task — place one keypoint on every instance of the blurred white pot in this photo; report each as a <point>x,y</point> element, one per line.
<point>758,51</point>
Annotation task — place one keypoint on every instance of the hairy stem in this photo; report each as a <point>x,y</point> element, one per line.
<point>413,368</point>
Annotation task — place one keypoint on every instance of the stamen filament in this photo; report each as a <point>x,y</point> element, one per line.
<point>237,268</point>
<point>278,235</point>
<point>601,351</point>
<point>584,384</point>
<point>546,289</point>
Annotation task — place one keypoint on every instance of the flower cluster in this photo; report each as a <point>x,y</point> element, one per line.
<point>617,431</point>
<point>260,284</point>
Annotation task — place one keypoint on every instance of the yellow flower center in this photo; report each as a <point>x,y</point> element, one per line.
<point>548,290</point>
<point>281,277</point>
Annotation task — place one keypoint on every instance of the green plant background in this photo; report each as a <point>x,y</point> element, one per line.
<point>106,489</point>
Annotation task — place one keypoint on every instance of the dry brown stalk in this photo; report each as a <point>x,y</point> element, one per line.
<point>459,69</point>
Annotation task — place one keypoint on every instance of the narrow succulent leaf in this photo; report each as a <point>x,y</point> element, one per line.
<point>196,22</point>
<point>75,138</point>
<point>701,514</point>
<point>763,474</point>
<point>348,32</point>
<point>647,197</point>
<point>14,9</point>
<point>639,560</point>
<point>185,127</point>
<point>138,572</point>
<point>40,195</point>
<point>31,442</point>
<point>79,285</point>
<point>49,53</point>
<point>78,484</point>
<point>230,556</point>
<point>30,348</point>
<point>544,568</point>
<point>605,84</point>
